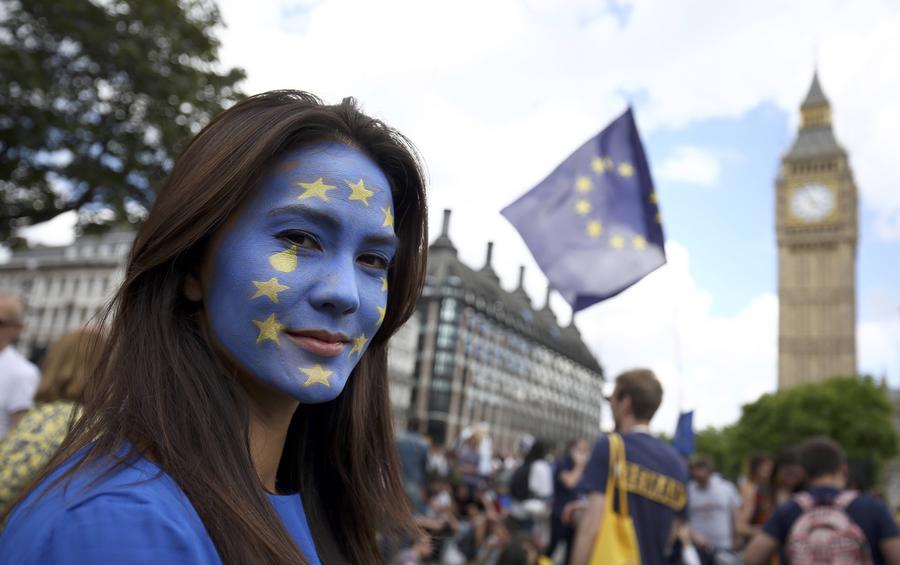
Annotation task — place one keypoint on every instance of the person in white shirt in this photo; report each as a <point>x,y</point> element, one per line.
<point>713,506</point>
<point>19,378</point>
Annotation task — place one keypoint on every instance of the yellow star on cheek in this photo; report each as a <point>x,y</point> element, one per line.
<point>583,184</point>
<point>284,261</point>
<point>381,312</point>
<point>388,218</point>
<point>384,284</point>
<point>316,189</point>
<point>583,207</point>
<point>626,170</point>
<point>639,242</point>
<point>316,375</point>
<point>594,229</point>
<point>269,289</point>
<point>268,329</point>
<point>617,241</point>
<point>358,344</point>
<point>358,191</point>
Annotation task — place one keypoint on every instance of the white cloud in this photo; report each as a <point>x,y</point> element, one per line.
<point>691,165</point>
<point>712,364</point>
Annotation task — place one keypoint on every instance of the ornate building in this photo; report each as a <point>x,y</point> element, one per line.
<point>486,355</point>
<point>816,224</point>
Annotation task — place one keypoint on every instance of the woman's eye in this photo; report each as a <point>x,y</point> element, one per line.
<point>301,239</point>
<point>373,261</point>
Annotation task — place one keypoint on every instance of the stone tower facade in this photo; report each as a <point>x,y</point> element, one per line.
<point>817,229</point>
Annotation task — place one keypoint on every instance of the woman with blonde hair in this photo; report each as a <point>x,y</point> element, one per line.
<point>64,372</point>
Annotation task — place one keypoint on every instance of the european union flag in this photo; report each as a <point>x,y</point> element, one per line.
<point>593,224</point>
<point>683,442</point>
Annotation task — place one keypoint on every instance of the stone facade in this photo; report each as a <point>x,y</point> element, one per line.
<point>817,229</point>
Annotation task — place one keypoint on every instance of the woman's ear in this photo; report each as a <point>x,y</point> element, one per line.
<point>193,288</point>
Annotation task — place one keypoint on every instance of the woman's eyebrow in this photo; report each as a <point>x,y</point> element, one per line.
<point>387,240</point>
<point>306,212</point>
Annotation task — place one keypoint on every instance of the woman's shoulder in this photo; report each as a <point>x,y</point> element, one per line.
<point>131,512</point>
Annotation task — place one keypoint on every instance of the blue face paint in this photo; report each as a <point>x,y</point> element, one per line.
<point>298,281</point>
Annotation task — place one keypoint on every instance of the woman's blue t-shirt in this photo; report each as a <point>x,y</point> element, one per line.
<point>136,515</point>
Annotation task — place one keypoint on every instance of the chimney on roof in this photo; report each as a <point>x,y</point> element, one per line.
<point>521,277</point>
<point>490,254</point>
<point>547,297</point>
<point>445,227</point>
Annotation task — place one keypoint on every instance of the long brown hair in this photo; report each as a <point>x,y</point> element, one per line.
<point>162,389</point>
<point>68,365</point>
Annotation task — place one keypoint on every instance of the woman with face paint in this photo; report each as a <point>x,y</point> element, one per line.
<point>241,412</point>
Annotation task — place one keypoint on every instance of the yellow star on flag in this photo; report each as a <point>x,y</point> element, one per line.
<point>388,218</point>
<point>594,229</point>
<point>384,286</point>
<point>601,164</point>
<point>658,218</point>
<point>269,288</point>
<point>317,189</point>
<point>639,242</point>
<point>626,170</point>
<point>358,191</point>
<point>583,184</point>
<point>381,312</point>
<point>617,241</point>
<point>358,344</point>
<point>583,207</point>
<point>652,198</point>
<point>316,375</point>
<point>284,261</point>
<point>268,329</point>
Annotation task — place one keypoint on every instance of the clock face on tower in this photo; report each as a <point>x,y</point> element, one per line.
<point>812,203</point>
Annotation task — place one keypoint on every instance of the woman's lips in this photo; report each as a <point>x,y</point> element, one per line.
<point>320,342</point>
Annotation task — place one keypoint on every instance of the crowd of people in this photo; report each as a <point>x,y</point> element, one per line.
<point>484,508</point>
<point>537,503</point>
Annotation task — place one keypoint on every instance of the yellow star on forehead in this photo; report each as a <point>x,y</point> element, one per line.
<point>652,198</point>
<point>601,164</point>
<point>583,207</point>
<point>268,329</point>
<point>381,312</point>
<point>617,241</point>
<point>388,218</point>
<point>358,191</point>
<point>269,289</point>
<point>284,261</point>
<point>594,229</point>
<point>384,284</point>
<point>316,375</point>
<point>626,170</point>
<point>583,184</point>
<point>317,189</point>
<point>358,344</point>
<point>639,242</point>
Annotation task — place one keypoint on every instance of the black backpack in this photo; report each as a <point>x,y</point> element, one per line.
<point>518,485</point>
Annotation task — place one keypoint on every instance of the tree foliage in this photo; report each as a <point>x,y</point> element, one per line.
<point>96,99</point>
<point>854,411</point>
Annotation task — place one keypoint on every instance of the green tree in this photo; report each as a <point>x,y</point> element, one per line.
<point>853,411</point>
<point>96,99</point>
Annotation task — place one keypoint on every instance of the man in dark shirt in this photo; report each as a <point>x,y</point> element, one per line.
<point>656,475</point>
<point>826,470</point>
<point>567,474</point>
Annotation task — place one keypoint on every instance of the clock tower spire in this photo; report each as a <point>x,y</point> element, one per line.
<point>817,229</point>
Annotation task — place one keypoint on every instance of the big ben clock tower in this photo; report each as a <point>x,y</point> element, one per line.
<point>816,224</point>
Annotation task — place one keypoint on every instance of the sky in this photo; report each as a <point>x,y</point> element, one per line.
<point>496,94</point>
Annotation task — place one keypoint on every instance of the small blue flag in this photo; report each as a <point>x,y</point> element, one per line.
<point>683,442</point>
<point>593,225</point>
